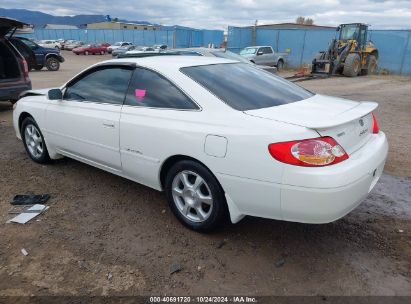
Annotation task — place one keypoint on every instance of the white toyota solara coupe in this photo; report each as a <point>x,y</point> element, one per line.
<point>220,137</point>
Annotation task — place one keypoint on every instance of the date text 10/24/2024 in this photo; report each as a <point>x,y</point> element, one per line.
<point>203,299</point>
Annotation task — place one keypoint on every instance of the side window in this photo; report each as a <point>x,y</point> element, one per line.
<point>149,89</point>
<point>108,85</point>
<point>267,50</point>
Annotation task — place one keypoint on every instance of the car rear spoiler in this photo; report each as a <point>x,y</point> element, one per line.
<point>362,109</point>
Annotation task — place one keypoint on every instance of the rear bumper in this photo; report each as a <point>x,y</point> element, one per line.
<point>329,193</point>
<point>310,195</point>
<point>13,92</point>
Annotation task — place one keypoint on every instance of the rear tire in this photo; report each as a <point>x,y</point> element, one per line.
<point>280,65</point>
<point>195,196</point>
<point>371,65</point>
<point>352,65</point>
<point>33,141</point>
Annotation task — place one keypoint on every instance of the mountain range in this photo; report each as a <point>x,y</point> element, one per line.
<point>39,19</point>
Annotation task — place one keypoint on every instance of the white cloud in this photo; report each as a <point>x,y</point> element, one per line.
<point>221,13</point>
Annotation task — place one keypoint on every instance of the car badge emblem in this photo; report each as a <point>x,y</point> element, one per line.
<point>361,122</point>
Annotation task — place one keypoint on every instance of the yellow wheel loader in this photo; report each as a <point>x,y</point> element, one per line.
<point>349,54</point>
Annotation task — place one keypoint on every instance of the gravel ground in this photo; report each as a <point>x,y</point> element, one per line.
<point>105,235</point>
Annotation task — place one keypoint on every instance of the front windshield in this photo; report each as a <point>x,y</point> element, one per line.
<point>349,32</point>
<point>248,51</point>
<point>230,55</point>
<point>117,44</point>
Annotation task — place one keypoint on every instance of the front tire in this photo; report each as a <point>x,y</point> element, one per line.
<point>195,196</point>
<point>52,64</point>
<point>352,65</point>
<point>33,141</point>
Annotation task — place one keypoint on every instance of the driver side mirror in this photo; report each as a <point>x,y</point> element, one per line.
<point>55,94</point>
<point>259,53</point>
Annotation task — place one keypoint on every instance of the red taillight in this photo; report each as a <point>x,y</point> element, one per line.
<point>375,128</point>
<point>313,152</point>
<point>25,68</point>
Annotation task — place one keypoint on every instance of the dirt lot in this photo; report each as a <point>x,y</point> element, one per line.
<point>104,235</point>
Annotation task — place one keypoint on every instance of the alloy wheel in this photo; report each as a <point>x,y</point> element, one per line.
<point>192,196</point>
<point>34,141</point>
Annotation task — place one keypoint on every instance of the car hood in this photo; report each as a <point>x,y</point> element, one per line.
<point>317,112</point>
<point>8,24</point>
<point>39,92</point>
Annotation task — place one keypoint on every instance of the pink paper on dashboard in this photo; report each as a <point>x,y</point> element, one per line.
<point>140,94</point>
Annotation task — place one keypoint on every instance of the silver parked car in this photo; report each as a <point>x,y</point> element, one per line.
<point>73,44</point>
<point>222,53</point>
<point>264,55</point>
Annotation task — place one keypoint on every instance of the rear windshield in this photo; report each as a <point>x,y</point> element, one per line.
<point>245,87</point>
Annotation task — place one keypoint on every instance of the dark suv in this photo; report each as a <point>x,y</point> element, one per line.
<point>14,73</point>
<point>38,56</point>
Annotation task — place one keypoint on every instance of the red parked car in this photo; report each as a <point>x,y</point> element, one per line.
<point>105,44</point>
<point>90,49</point>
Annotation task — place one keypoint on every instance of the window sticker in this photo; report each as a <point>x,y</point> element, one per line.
<point>140,94</point>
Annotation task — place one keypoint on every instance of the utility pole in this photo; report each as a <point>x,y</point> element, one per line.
<point>254,34</point>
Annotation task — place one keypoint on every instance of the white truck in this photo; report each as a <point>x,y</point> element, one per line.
<point>264,55</point>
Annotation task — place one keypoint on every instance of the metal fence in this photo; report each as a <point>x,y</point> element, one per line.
<point>394,45</point>
<point>176,38</point>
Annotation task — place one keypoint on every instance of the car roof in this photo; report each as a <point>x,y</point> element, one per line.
<point>174,62</point>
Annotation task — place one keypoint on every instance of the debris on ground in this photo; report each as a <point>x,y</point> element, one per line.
<point>30,199</point>
<point>280,263</point>
<point>176,267</point>
<point>400,230</point>
<point>24,252</point>
<point>109,276</point>
<point>28,214</point>
<point>221,243</point>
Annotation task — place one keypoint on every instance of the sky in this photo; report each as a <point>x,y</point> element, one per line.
<point>218,14</point>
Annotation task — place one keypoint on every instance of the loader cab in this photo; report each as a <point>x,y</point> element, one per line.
<point>353,31</point>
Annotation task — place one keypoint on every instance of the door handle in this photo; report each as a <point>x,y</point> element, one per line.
<point>109,125</point>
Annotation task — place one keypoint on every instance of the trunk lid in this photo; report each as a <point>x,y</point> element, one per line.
<point>348,122</point>
<point>8,24</point>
